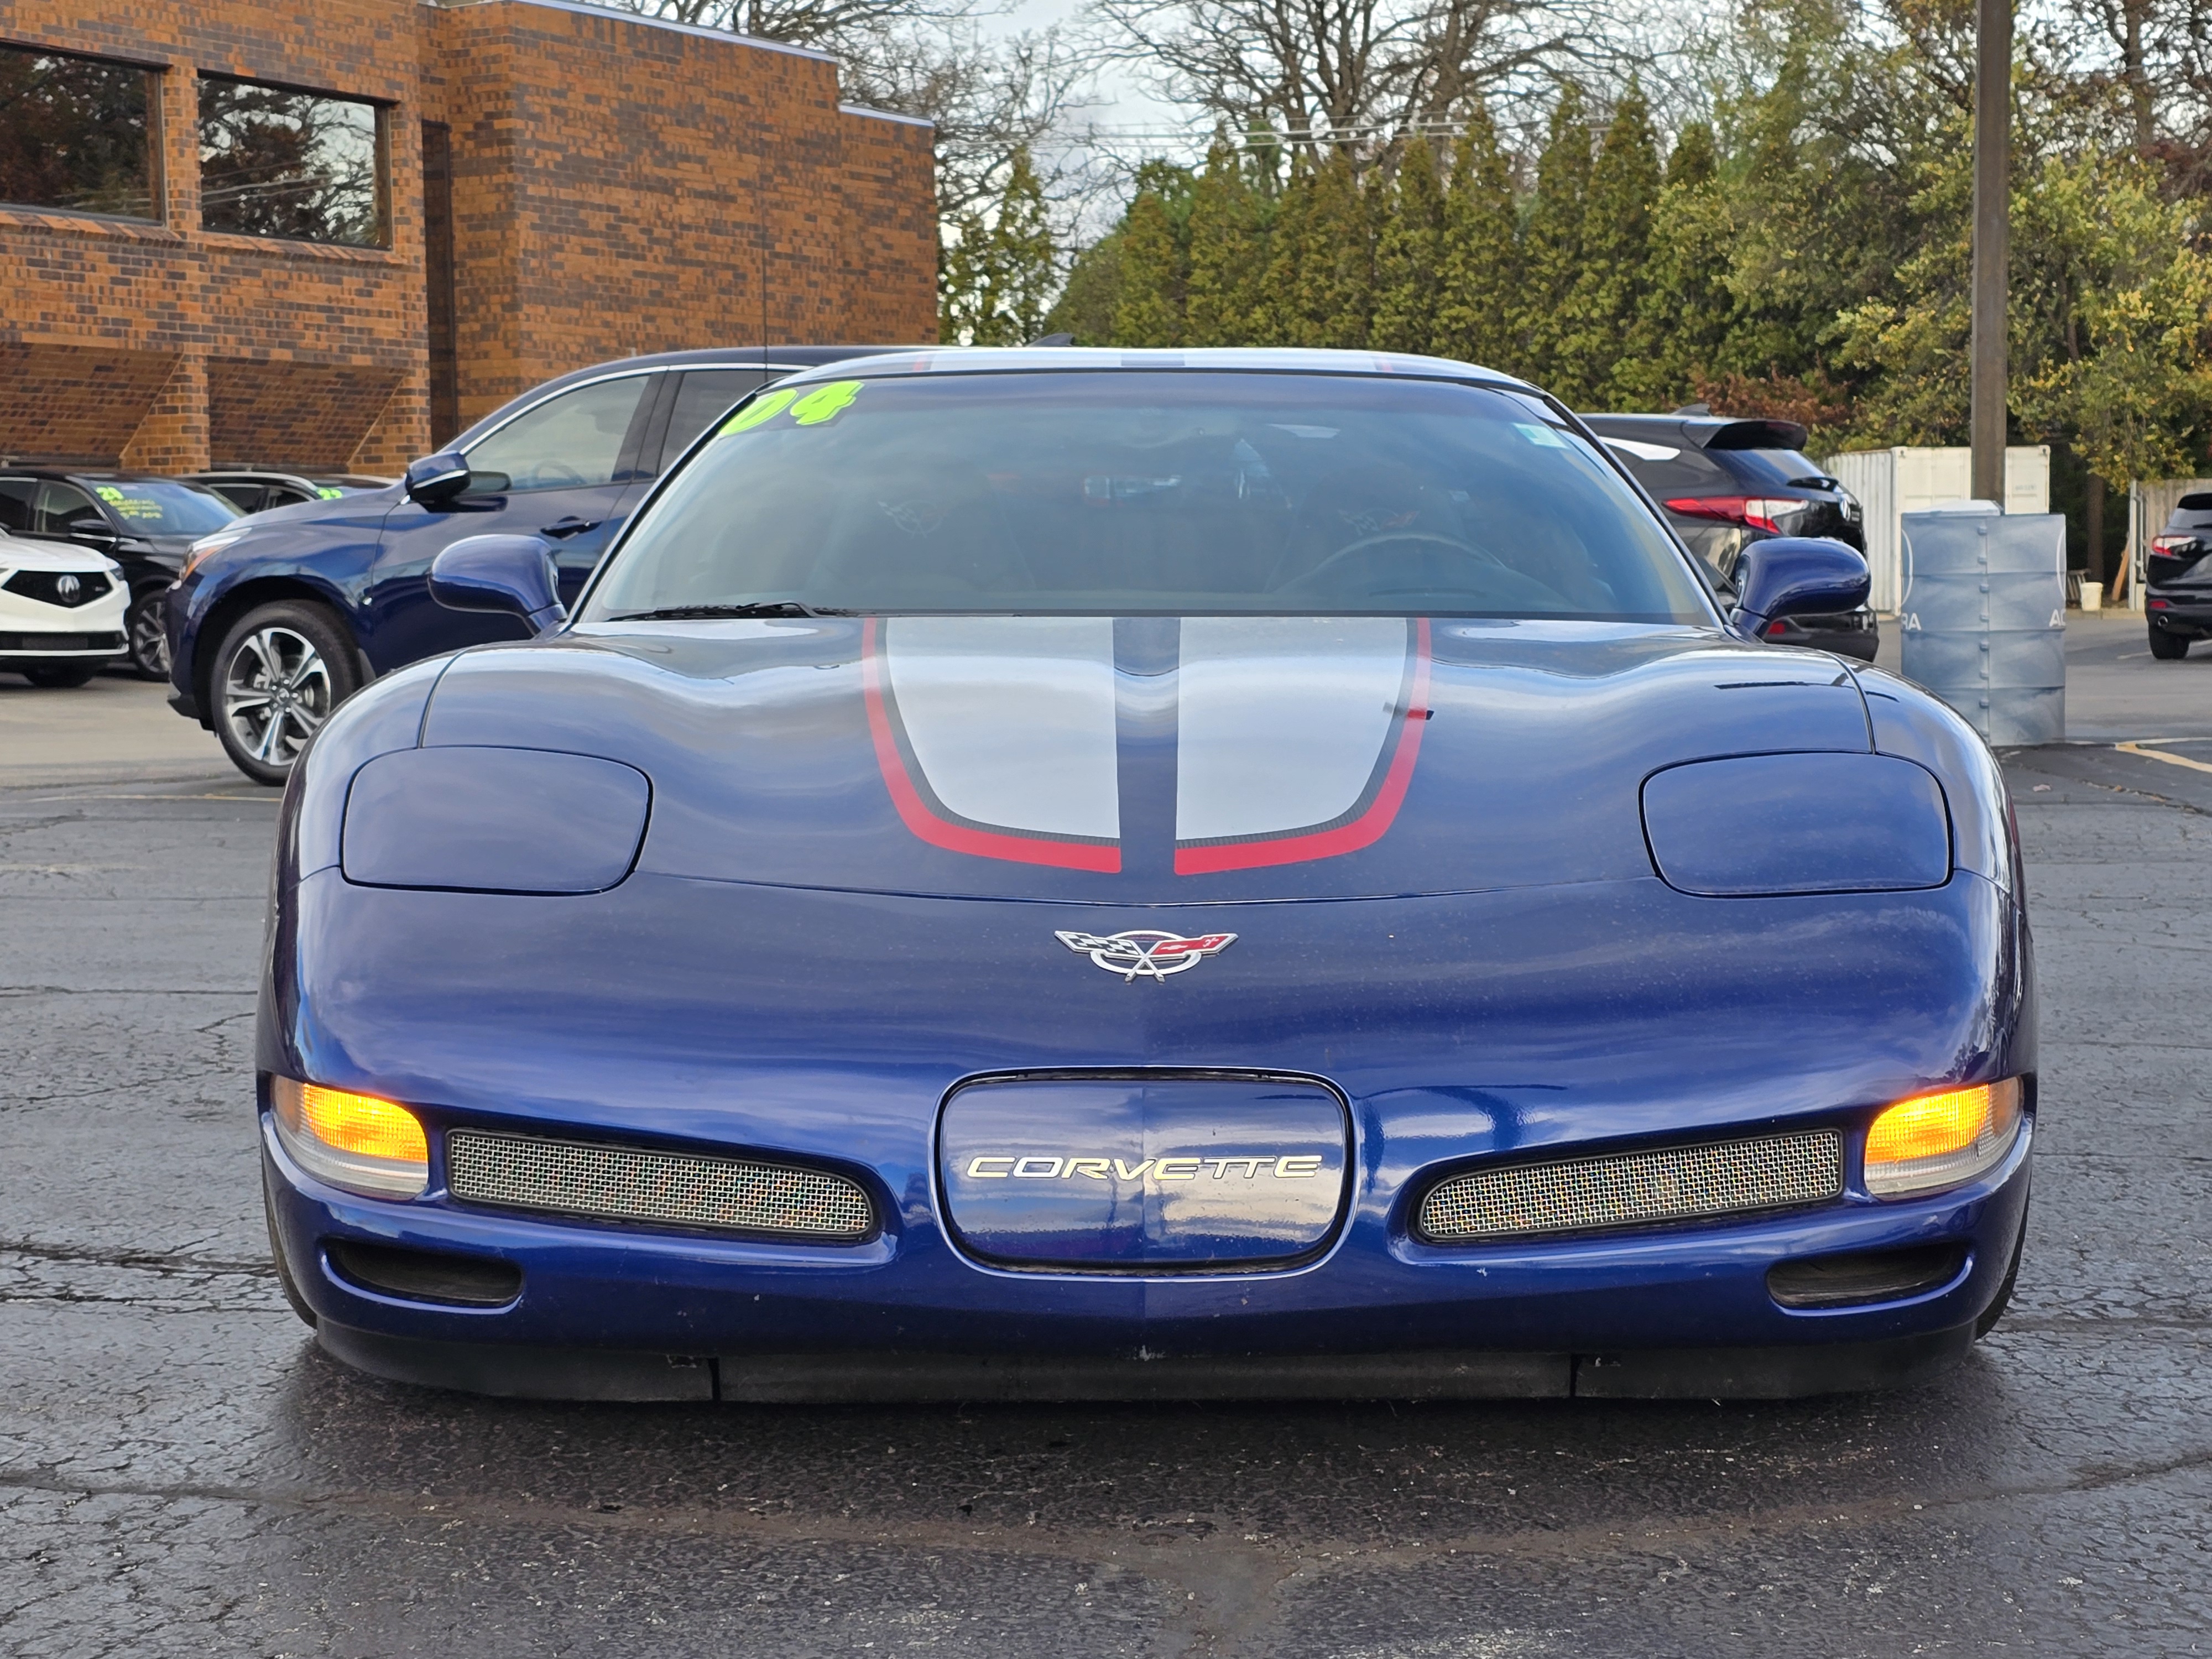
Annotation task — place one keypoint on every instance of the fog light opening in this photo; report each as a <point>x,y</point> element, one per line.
<point>1865,1277</point>
<point>467,1281</point>
<point>1941,1139</point>
<point>355,1141</point>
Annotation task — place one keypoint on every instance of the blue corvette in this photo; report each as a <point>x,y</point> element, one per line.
<point>1060,874</point>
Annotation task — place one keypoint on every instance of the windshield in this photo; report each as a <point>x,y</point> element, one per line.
<point>1135,492</point>
<point>154,506</point>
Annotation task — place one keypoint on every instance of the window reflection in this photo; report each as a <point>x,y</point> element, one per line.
<point>293,164</point>
<point>73,134</point>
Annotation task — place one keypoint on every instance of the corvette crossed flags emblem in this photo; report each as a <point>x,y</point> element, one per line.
<point>1145,952</point>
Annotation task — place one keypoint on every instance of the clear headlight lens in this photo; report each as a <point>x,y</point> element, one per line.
<point>1942,1140</point>
<point>214,544</point>
<point>354,1141</point>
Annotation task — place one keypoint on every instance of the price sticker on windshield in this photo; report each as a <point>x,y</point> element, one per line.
<point>814,406</point>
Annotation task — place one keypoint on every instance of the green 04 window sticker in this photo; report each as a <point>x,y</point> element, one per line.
<point>820,405</point>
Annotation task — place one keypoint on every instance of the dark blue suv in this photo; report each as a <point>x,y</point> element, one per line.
<point>277,618</point>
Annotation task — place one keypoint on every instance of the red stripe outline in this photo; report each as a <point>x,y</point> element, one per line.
<point>915,812</point>
<point>1364,830</point>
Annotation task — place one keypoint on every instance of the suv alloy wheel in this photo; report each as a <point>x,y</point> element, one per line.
<point>279,672</point>
<point>147,634</point>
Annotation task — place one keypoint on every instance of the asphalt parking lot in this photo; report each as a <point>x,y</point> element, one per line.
<point>181,1472</point>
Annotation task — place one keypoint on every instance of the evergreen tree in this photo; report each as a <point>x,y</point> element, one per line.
<point>1409,254</point>
<point>1023,273</point>
<point>1683,317</point>
<point>1616,248</point>
<point>1552,243</point>
<point>1226,246</point>
<point>1339,301</point>
<point>1086,305</point>
<point>1280,319</point>
<point>1148,311</point>
<point>1694,160</point>
<point>1480,286</point>
<point>996,277</point>
<point>960,293</point>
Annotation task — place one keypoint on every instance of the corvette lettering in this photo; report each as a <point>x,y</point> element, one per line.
<point>1145,952</point>
<point>1036,1166</point>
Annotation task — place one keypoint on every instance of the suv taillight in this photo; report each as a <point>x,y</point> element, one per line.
<point>2172,546</point>
<point>1758,512</point>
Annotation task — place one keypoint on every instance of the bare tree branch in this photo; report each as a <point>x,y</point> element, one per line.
<point>1309,74</point>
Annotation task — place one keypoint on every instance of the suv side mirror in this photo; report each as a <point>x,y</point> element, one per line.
<point>1788,575</point>
<point>515,575</point>
<point>98,537</point>
<point>436,479</point>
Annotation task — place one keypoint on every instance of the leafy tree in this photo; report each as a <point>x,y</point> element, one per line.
<point>1479,287</point>
<point>1409,254</point>
<point>2113,296</point>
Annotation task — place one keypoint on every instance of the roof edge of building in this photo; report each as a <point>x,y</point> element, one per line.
<point>585,8</point>
<point>886,115</point>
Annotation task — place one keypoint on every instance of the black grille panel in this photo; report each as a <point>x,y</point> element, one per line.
<point>55,586</point>
<point>631,1183</point>
<point>61,642</point>
<point>1677,1183</point>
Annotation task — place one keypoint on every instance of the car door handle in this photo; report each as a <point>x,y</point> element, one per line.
<point>571,525</point>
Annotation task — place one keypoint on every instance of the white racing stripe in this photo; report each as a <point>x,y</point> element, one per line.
<point>1282,719</point>
<point>1011,718</point>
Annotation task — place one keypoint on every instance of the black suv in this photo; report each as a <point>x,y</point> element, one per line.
<point>2178,594</point>
<point>1725,485</point>
<point>145,524</point>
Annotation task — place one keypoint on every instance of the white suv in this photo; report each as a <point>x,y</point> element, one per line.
<point>61,611</point>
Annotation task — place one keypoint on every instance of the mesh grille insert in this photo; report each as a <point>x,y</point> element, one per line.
<point>630,1184</point>
<point>1572,1196</point>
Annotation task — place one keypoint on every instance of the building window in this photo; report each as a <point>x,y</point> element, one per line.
<point>302,164</point>
<point>73,134</point>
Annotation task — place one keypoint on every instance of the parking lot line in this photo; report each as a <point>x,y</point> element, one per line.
<point>2141,747</point>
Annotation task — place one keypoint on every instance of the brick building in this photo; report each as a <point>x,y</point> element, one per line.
<point>352,227</point>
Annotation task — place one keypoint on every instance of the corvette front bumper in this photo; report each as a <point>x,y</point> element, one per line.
<point>828,1029</point>
<point>623,1313</point>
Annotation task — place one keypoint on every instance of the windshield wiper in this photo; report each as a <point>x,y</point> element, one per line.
<point>707,612</point>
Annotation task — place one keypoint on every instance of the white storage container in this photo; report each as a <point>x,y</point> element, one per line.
<point>1891,482</point>
<point>1984,619</point>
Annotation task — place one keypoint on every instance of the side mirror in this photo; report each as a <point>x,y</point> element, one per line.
<point>436,479</point>
<point>515,575</point>
<point>1789,575</point>
<point>97,537</point>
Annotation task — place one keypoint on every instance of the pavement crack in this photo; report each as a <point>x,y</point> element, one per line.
<point>156,1261</point>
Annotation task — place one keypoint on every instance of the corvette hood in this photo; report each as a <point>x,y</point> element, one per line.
<point>1146,760</point>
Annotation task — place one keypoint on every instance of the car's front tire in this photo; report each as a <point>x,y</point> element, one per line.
<point>2167,647</point>
<point>60,676</point>
<point>278,673</point>
<point>148,634</point>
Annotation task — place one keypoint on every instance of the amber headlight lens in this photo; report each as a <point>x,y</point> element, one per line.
<point>354,1141</point>
<point>1936,1141</point>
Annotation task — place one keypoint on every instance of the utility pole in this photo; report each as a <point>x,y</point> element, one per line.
<point>1992,215</point>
